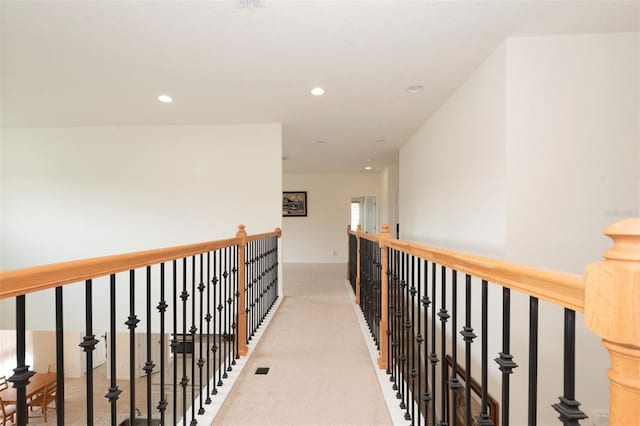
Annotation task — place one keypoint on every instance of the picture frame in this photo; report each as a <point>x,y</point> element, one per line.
<point>476,399</point>
<point>294,203</point>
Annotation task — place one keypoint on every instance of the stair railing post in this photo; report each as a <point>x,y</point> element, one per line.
<point>385,235</point>
<point>348,252</point>
<point>612,311</point>
<point>242,313</point>
<point>358,235</point>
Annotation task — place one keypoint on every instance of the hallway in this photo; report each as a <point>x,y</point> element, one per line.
<point>320,370</point>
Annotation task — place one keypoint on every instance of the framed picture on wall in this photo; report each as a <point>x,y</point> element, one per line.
<point>476,400</point>
<point>294,203</point>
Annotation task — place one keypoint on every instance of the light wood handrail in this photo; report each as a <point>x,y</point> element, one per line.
<point>255,237</point>
<point>608,294</point>
<point>371,237</point>
<point>17,282</point>
<point>557,287</point>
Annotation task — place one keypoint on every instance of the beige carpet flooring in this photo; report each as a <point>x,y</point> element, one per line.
<point>320,370</point>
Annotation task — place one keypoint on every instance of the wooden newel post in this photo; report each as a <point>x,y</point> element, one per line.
<point>358,235</point>
<point>612,311</point>
<point>348,251</point>
<point>242,314</point>
<point>383,361</point>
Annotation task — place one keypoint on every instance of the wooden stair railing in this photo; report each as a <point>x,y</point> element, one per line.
<point>608,294</point>
<point>250,275</point>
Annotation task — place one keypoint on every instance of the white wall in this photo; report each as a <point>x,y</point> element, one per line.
<point>452,173</point>
<point>316,237</point>
<point>531,158</point>
<point>572,169</point>
<point>70,193</point>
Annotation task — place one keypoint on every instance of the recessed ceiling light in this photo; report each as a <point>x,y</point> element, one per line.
<point>320,142</point>
<point>415,88</point>
<point>165,98</point>
<point>317,91</point>
<point>368,168</point>
<point>285,158</point>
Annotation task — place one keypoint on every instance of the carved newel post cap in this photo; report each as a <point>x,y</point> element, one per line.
<point>385,229</point>
<point>279,232</point>
<point>612,286</point>
<point>626,240</point>
<point>241,231</point>
<point>348,228</point>
<point>359,228</point>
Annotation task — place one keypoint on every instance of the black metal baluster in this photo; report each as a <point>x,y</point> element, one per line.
<point>401,375</point>
<point>249,300</point>
<point>408,339</point>
<point>230,312</point>
<point>208,319</point>
<point>426,398</point>
<point>275,263</point>
<point>149,365</point>
<point>468,335</point>
<point>132,323</point>
<point>88,345</point>
<point>570,414</point>
<point>533,361</point>
<point>254,288</point>
<point>260,282</point>
<point>454,383</point>
<point>114,392</point>
<point>174,341</point>
<point>220,307</point>
<point>184,296</point>
<point>373,268</point>
<point>444,316</point>
<point>505,361</point>
<point>21,373</point>
<point>214,281</point>
<point>433,357</point>
<point>389,309</point>
<point>378,294</point>
<point>393,319</point>
<point>201,288</point>
<point>225,315</point>
<point>192,331</point>
<point>419,339</point>
<point>59,358</point>
<point>367,288</point>
<point>236,296</point>
<point>162,309</point>
<point>412,335</point>
<point>483,418</point>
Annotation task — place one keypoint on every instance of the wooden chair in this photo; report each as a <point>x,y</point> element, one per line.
<point>52,368</point>
<point>3,383</point>
<point>43,399</point>
<point>8,413</point>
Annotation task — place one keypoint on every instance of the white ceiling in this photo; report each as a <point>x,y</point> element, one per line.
<point>105,63</point>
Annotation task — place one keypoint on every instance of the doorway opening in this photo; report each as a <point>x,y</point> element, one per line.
<point>364,212</point>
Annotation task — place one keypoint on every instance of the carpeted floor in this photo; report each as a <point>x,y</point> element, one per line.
<point>320,371</point>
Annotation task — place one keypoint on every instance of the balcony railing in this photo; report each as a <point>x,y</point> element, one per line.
<point>410,295</point>
<point>205,301</point>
